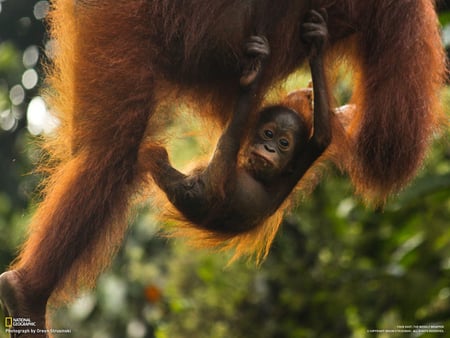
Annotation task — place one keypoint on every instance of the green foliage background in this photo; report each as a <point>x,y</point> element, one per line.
<point>336,269</point>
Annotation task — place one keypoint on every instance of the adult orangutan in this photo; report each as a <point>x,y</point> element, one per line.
<point>117,62</point>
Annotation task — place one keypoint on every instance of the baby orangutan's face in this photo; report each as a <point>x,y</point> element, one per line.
<point>272,147</point>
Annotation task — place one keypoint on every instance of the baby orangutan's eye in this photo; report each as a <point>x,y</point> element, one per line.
<point>284,143</point>
<point>268,133</point>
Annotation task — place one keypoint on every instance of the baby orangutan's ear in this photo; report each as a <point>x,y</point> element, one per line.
<point>302,102</point>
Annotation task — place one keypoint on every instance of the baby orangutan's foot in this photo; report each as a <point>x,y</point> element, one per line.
<point>27,314</point>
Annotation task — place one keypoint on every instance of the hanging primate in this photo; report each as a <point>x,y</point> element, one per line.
<point>117,63</point>
<point>279,151</point>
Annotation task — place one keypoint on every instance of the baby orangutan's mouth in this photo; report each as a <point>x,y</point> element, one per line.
<point>260,161</point>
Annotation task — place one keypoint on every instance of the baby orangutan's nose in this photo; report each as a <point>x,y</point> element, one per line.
<point>269,148</point>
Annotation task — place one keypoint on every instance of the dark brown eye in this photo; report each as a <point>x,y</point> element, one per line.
<point>268,133</point>
<point>284,143</point>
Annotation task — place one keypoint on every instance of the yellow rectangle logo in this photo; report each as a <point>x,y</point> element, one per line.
<point>8,322</point>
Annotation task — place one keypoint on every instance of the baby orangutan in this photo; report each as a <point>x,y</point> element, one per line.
<point>279,152</point>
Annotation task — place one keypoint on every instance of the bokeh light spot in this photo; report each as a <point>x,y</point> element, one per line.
<point>41,9</point>
<point>30,78</point>
<point>17,95</point>
<point>7,120</point>
<point>39,118</point>
<point>30,56</point>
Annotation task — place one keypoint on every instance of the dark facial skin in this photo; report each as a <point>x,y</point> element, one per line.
<point>279,133</point>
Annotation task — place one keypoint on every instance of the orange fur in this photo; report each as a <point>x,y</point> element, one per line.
<point>396,95</point>
<point>117,62</point>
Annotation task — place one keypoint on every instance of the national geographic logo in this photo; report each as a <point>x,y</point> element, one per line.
<point>19,326</point>
<point>19,322</point>
<point>8,322</point>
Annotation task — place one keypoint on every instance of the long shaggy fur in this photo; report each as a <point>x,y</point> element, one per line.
<point>116,61</point>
